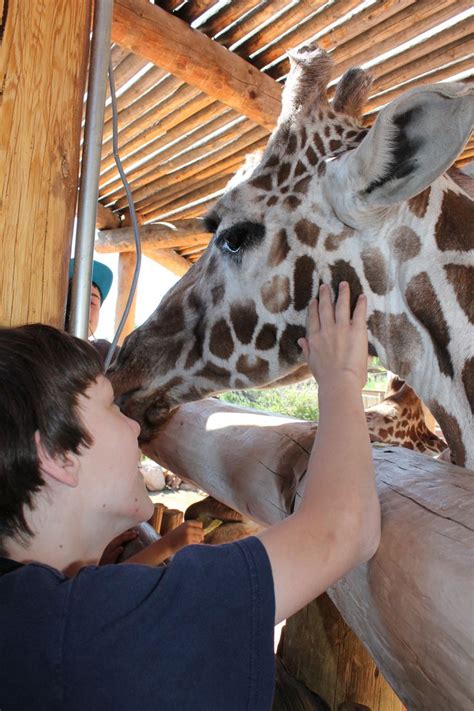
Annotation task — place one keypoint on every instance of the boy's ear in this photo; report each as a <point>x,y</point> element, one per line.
<point>63,468</point>
<point>414,140</point>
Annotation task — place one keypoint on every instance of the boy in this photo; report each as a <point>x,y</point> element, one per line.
<point>199,633</point>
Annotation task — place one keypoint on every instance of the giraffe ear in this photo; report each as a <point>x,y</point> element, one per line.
<point>413,141</point>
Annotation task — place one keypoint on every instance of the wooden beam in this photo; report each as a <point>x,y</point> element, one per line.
<point>106,219</point>
<point>169,259</point>
<point>411,605</point>
<point>126,269</point>
<point>171,44</point>
<point>44,56</point>
<point>156,236</point>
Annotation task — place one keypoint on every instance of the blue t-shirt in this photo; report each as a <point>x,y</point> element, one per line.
<point>197,634</point>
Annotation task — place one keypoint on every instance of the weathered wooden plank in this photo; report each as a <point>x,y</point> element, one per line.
<point>169,259</point>
<point>159,236</point>
<point>171,44</point>
<point>106,219</point>
<point>412,604</point>
<point>44,57</point>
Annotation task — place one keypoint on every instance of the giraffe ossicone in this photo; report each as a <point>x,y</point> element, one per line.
<point>328,200</point>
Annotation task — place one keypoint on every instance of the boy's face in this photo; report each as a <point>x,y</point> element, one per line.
<point>94,311</point>
<point>111,483</point>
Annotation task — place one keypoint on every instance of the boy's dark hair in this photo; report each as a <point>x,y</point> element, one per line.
<point>42,373</point>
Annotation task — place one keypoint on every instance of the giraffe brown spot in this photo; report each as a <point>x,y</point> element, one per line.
<point>343,271</point>
<point>292,202</point>
<point>217,293</point>
<point>272,201</point>
<point>333,241</point>
<point>239,384</point>
<point>283,173</point>
<point>327,131</point>
<point>170,354</point>
<point>334,145</point>
<point>320,115</point>
<point>272,161</point>
<point>390,430</point>
<point>311,155</point>
<point>351,134</point>
<point>451,430</point>
<point>303,282</point>
<point>331,115</point>
<point>321,170</point>
<point>419,203</point>
<point>217,375</point>
<point>276,294</point>
<point>375,270</point>
<point>279,249</point>
<point>220,342</point>
<point>266,338</point>
<point>304,136</point>
<point>256,369</point>
<point>194,354</point>
<point>289,350</point>
<point>244,320</point>
<point>400,339</point>
<point>292,143</point>
<point>307,232</point>
<point>462,281</point>
<point>409,445</point>
<point>302,185</point>
<point>406,243</point>
<point>284,189</point>
<point>425,306</point>
<point>300,169</point>
<point>468,381</point>
<point>339,129</point>
<point>171,319</point>
<point>262,182</point>
<point>454,227</point>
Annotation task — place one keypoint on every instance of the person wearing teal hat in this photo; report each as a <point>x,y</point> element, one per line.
<point>102,278</point>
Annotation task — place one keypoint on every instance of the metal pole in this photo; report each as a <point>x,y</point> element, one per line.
<point>91,154</point>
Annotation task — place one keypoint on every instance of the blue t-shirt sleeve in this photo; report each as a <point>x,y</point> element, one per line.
<point>196,634</point>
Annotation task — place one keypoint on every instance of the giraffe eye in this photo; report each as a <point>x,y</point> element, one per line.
<point>241,236</point>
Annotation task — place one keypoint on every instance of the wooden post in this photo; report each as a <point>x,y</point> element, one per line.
<point>171,519</point>
<point>43,68</point>
<point>126,269</point>
<point>157,516</point>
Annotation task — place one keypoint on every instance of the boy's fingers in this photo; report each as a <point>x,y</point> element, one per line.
<point>326,309</point>
<point>360,312</point>
<point>303,344</point>
<point>312,318</point>
<point>343,303</point>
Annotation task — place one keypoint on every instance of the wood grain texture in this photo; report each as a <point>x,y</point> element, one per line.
<point>412,604</point>
<point>171,44</point>
<point>159,236</point>
<point>43,67</point>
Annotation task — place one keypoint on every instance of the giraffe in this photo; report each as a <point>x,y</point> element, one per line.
<point>328,200</point>
<point>400,420</point>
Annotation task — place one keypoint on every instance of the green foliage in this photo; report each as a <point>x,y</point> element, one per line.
<point>299,401</point>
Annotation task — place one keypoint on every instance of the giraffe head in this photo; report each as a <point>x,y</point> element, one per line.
<point>328,200</point>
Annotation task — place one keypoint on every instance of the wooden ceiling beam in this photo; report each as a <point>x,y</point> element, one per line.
<point>105,218</point>
<point>169,259</point>
<point>183,233</point>
<point>171,44</point>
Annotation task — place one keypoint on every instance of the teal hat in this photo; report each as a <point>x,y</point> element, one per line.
<point>102,277</point>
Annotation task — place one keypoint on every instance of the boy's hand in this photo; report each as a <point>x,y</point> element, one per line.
<point>186,534</point>
<point>116,547</point>
<point>335,346</point>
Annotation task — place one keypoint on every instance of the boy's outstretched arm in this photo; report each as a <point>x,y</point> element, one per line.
<point>337,525</point>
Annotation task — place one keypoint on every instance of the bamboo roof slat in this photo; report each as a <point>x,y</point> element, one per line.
<point>180,95</point>
<point>169,133</point>
<point>263,12</point>
<point>159,127</point>
<point>141,86</point>
<point>168,5</point>
<point>213,158</point>
<point>228,14</point>
<point>197,249</point>
<point>296,14</point>
<point>210,187</point>
<point>381,10</point>
<point>168,157</point>
<point>193,9</point>
<point>127,69</point>
<point>390,34</point>
<point>137,111</point>
<point>184,192</point>
<point>118,54</point>
<point>430,78</point>
<point>192,211</point>
<point>451,52</point>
